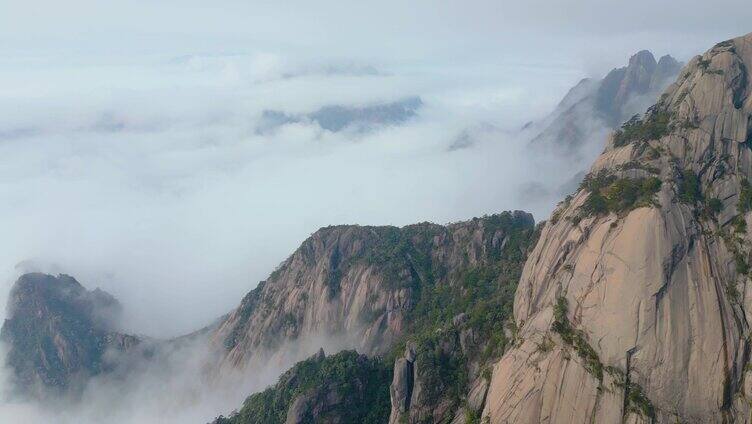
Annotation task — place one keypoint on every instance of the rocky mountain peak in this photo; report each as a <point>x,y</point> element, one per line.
<point>42,294</point>
<point>635,304</point>
<point>362,282</point>
<point>640,77</point>
<point>714,89</point>
<point>643,59</point>
<point>641,63</point>
<point>668,66</point>
<point>58,332</point>
<point>637,76</point>
<point>594,106</point>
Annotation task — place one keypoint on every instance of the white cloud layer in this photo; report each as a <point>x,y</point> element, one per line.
<point>150,179</point>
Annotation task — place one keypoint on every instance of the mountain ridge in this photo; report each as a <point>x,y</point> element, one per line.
<point>593,107</point>
<point>376,289</point>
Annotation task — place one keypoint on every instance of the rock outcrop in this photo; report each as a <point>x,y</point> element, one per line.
<point>403,380</point>
<point>594,107</point>
<point>357,286</point>
<point>635,304</point>
<point>59,334</point>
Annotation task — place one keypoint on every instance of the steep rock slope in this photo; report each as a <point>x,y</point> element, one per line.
<point>59,334</point>
<point>593,107</point>
<point>359,285</point>
<point>635,304</point>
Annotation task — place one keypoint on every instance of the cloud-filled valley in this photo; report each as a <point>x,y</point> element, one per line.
<point>173,158</point>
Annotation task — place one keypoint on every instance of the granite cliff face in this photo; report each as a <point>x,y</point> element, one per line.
<point>358,285</point>
<point>635,304</point>
<point>59,334</point>
<point>594,107</point>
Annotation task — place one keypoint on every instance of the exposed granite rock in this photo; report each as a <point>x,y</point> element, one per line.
<point>639,312</point>
<point>358,284</point>
<point>401,389</point>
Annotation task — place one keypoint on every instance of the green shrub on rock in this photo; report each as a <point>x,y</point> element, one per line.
<point>618,195</point>
<point>689,187</point>
<point>653,127</point>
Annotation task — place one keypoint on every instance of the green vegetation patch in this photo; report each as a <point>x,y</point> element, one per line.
<point>443,373</point>
<point>745,197</point>
<point>618,195</point>
<point>714,205</point>
<point>638,402</point>
<point>399,250</point>
<point>361,383</point>
<point>654,126</point>
<point>484,293</point>
<point>689,188</point>
<point>739,224</point>
<point>635,399</point>
<point>735,244</point>
<point>576,339</point>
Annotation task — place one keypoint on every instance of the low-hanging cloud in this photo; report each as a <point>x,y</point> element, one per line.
<point>179,382</point>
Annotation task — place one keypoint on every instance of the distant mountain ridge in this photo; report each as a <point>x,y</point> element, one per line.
<point>337,118</point>
<point>593,107</point>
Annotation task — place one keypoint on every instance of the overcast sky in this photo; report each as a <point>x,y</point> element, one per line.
<point>130,156</point>
<point>537,31</point>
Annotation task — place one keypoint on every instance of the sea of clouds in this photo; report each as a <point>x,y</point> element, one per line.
<point>150,178</point>
<point>159,179</point>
